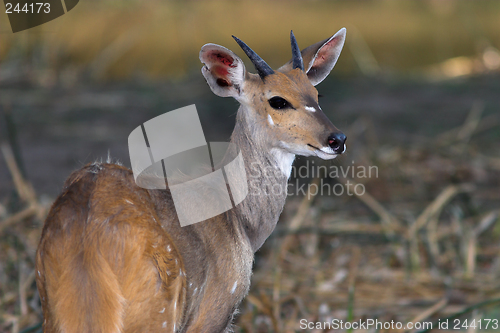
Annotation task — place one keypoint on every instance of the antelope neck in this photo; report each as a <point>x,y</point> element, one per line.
<point>267,177</point>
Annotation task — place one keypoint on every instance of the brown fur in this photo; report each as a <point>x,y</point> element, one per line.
<point>106,264</point>
<point>102,257</point>
<point>294,126</point>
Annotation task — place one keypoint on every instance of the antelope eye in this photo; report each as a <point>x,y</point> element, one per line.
<point>279,103</point>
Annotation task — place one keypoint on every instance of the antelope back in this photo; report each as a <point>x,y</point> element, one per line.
<point>104,262</point>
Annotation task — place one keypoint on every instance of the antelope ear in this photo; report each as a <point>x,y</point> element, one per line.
<point>223,70</point>
<point>320,58</point>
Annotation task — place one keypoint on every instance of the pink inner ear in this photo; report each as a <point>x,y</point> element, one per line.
<point>326,52</point>
<point>220,64</point>
<point>220,71</point>
<point>221,58</point>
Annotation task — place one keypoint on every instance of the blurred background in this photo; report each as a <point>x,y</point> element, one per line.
<point>416,90</point>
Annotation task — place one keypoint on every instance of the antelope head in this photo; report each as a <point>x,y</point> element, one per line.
<point>281,105</point>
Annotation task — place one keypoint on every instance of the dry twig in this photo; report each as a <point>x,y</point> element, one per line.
<point>299,217</point>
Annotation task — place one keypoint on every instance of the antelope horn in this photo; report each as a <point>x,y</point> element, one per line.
<point>260,65</point>
<point>296,55</point>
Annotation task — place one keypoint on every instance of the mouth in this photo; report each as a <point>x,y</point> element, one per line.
<point>324,152</point>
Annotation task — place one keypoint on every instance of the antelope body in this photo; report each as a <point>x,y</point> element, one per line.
<point>113,257</point>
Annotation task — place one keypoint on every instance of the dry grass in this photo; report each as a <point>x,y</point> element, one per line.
<point>18,296</point>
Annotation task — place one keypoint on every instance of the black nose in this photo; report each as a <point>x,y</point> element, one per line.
<point>336,141</point>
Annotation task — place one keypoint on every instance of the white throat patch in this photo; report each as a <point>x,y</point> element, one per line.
<point>284,160</point>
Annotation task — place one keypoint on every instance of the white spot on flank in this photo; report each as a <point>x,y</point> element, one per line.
<point>234,287</point>
<point>310,108</point>
<point>162,310</point>
<point>174,327</point>
<point>38,273</point>
<point>169,248</point>
<point>164,324</point>
<point>270,120</point>
<point>195,290</point>
<point>130,202</point>
<point>175,305</point>
<point>190,284</point>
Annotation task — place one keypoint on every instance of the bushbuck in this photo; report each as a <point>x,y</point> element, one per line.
<point>112,256</point>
